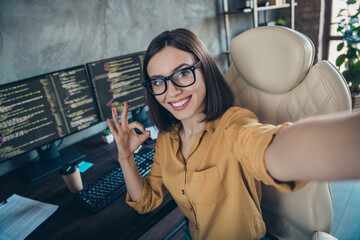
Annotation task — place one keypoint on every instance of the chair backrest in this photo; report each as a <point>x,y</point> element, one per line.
<point>272,74</point>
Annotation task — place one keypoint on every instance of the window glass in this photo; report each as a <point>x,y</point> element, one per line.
<point>337,5</point>
<point>333,53</point>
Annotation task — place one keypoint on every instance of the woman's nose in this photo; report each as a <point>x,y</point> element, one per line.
<point>172,89</point>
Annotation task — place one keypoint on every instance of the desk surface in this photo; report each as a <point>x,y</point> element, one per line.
<point>72,221</point>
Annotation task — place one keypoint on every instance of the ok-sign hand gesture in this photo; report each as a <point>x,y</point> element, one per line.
<point>127,140</point>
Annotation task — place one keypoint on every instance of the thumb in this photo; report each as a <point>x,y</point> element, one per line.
<point>144,136</point>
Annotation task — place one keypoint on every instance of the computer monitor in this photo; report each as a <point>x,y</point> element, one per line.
<point>38,111</point>
<point>117,80</point>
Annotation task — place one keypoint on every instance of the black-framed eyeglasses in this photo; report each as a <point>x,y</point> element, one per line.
<point>183,78</point>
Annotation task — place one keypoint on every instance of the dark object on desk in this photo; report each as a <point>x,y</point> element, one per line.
<point>110,186</point>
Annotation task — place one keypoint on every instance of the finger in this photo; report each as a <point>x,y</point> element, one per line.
<point>115,119</point>
<point>124,114</point>
<point>137,125</point>
<point>114,113</point>
<point>144,136</point>
<point>111,126</point>
<point>145,133</point>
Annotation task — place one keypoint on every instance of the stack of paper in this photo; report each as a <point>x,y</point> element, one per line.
<point>19,216</point>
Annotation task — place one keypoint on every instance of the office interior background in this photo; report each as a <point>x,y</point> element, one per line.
<point>38,37</point>
<point>41,36</point>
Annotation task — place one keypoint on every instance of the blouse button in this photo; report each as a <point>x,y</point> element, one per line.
<point>183,192</point>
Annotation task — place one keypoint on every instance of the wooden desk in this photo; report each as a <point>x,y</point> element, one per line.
<point>72,221</point>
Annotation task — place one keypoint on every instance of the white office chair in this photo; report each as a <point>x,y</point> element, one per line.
<point>272,74</point>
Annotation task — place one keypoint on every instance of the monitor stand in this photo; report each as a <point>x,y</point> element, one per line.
<point>51,160</point>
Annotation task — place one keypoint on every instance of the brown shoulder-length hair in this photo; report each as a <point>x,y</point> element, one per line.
<point>218,96</point>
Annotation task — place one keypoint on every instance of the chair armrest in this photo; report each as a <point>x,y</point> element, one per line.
<point>322,236</point>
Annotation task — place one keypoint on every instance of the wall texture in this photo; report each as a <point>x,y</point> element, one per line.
<point>41,36</point>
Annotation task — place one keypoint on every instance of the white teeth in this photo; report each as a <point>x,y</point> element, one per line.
<point>178,104</point>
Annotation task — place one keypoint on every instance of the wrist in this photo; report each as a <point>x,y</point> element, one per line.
<point>125,159</point>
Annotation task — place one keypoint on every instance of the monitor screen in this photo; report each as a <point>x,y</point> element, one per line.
<point>42,109</point>
<point>117,80</point>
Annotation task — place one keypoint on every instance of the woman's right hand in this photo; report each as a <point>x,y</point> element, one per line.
<point>127,140</point>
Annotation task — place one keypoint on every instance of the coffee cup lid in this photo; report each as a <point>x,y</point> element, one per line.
<point>68,169</point>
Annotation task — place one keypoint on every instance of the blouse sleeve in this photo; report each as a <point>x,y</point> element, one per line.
<point>250,141</point>
<point>153,191</point>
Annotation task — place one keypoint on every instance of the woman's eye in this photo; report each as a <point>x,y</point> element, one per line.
<point>184,73</point>
<point>157,82</point>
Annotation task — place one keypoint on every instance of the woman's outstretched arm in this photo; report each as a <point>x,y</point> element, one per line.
<point>318,148</point>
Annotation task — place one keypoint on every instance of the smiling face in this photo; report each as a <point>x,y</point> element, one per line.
<point>183,103</point>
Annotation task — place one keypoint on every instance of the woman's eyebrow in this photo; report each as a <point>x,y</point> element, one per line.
<point>174,70</point>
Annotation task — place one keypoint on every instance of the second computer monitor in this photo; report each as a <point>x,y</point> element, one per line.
<point>117,80</point>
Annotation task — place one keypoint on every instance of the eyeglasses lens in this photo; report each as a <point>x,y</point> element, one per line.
<point>182,78</point>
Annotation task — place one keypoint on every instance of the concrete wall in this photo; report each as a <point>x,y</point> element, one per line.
<point>41,36</point>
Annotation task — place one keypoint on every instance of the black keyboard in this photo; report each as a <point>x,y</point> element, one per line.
<point>110,186</point>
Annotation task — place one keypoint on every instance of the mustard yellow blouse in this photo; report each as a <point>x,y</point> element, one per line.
<point>218,189</point>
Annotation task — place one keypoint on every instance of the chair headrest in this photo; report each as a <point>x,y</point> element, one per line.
<point>273,59</point>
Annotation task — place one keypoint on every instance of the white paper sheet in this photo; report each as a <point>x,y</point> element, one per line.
<point>19,216</point>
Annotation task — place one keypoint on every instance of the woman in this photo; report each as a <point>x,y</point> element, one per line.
<point>211,156</point>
